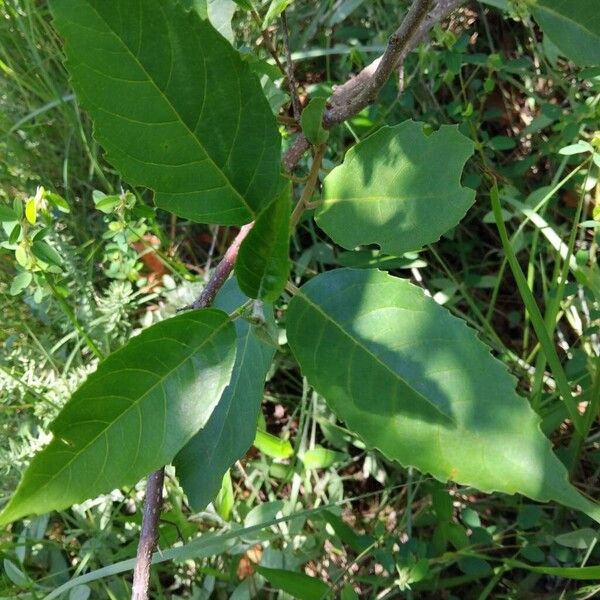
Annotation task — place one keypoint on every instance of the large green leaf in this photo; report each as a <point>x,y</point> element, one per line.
<point>231,428</point>
<point>574,26</point>
<point>173,104</point>
<point>417,383</point>
<point>399,188</point>
<point>133,414</point>
<point>263,263</point>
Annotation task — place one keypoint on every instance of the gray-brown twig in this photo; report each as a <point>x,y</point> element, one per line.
<point>358,92</point>
<point>153,499</point>
<point>148,535</point>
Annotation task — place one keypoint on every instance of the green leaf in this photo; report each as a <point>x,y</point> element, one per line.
<point>311,121</point>
<point>58,202</point>
<point>218,12</point>
<point>225,499</point>
<point>272,446</point>
<point>275,9</point>
<point>263,263</point>
<point>20,282</point>
<point>299,585</point>
<point>578,148</point>
<point>581,539</point>
<point>44,252</point>
<point>15,574</point>
<point>104,203</point>
<point>174,106</point>
<point>574,26</point>
<point>7,214</point>
<point>133,414</point>
<point>203,461</point>
<point>321,458</point>
<point>399,188</point>
<point>417,383</point>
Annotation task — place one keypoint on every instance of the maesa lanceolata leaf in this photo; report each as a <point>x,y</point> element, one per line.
<point>203,461</point>
<point>263,262</point>
<point>174,105</point>
<point>133,414</point>
<point>417,383</point>
<point>574,26</point>
<point>399,188</point>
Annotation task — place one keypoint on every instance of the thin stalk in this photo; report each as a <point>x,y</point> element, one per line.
<point>309,188</point>
<point>536,316</point>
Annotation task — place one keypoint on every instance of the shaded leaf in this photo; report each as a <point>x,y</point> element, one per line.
<point>399,188</point>
<point>46,253</point>
<point>299,585</point>
<point>173,104</point>
<point>417,383</point>
<point>204,460</point>
<point>263,263</point>
<point>133,414</point>
<point>574,26</point>
<point>311,121</point>
<point>7,213</point>
<point>581,539</point>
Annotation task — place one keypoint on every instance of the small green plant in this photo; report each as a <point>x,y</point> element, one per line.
<point>192,124</point>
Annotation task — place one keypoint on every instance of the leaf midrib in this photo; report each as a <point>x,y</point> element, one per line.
<point>170,105</point>
<point>135,404</point>
<point>374,356</point>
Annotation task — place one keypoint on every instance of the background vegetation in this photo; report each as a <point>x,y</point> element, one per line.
<point>104,264</point>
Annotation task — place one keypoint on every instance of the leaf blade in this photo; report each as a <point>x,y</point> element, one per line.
<point>263,263</point>
<point>573,26</point>
<point>398,188</point>
<point>492,440</point>
<point>177,124</point>
<point>202,462</point>
<point>133,414</point>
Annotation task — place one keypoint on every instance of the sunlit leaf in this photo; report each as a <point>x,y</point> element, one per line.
<point>174,106</point>
<point>133,414</point>
<point>399,188</point>
<point>417,383</point>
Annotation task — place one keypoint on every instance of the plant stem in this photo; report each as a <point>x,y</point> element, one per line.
<point>536,317</point>
<point>289,67</point>
<point>148,535</point>
<point>153,499</point>
<point>359,91</point>
<point>309,188</point>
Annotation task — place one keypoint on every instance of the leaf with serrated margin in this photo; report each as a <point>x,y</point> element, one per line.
<point>574,26</point>
<point>399,188</point>
<point>174,106</point>
<point>202,462</point>
<point>133,414</point>
<point>384,356</point>
<point>263,263</point>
